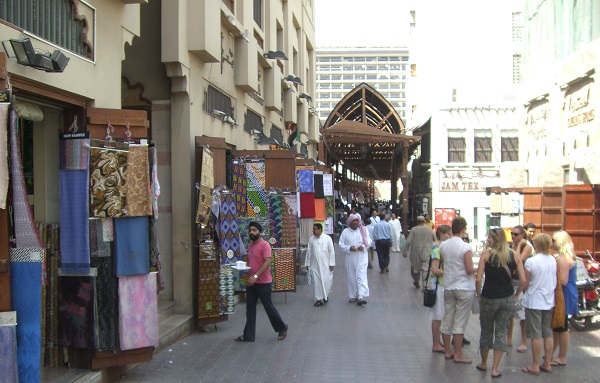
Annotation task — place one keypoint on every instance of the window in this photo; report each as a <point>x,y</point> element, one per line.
<point>483,149</point>
<point>258,12</point>
<point>216,100</point>
<point>517,64</point>
<point>276,133</point>
<point>456,150</point>
<point>510,149</point>
<point>304,149</point>
<point>253,122</point>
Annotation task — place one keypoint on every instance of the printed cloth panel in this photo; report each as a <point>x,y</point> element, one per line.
<point>138,311</point>
<point>285,269</point>
<point>8,350</point>
<point>75,151</point>
<point>257,198</point>
<point>107,304</point>
<point>276,219</point>
<point>208,281</point>
<point>289,226</point>
<point>329,207</point>
<point>306,181</point>
<point>76,316</point>
<point>139,198</point>
<point>99,247</point>
<point>239,187</point>
<point>229,234</point>
<point>204,204</point>
<point>108,177</point>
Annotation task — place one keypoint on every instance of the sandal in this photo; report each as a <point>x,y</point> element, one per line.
<point>283,334</point>
<point>241,338</point>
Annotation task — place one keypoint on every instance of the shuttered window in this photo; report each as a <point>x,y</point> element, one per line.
<point>276,133</point>
<point>252,122</point>
<point>54,20</point>
<point>217,100</point>
<point>258,12</point>
<point>510,149</point>
<point>456,150</point>
<point>483,149</point>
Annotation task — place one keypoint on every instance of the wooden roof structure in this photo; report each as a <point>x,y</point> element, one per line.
<point>365,132</point>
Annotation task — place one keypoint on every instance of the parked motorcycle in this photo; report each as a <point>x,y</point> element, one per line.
<point>588,286</point>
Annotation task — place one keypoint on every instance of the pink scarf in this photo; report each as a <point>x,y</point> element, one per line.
<point>363,229</point>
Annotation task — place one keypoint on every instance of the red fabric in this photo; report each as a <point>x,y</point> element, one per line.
<point>307,205</point>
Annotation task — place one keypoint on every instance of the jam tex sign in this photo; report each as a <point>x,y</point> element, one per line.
<point>465,181</point>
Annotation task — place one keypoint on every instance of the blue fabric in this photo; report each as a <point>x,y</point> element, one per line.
<point>26,289</point>
<point>74,221</point>
<point>132,250</point>
<point>306,181</point>
<point>8,350</point>
<point>570,293</point>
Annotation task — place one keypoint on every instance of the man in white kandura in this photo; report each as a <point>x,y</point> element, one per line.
<point>355,241</point>
<point>396,232</point>
<point>320,261</point>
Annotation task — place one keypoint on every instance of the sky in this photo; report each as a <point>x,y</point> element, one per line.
<point>358,23</point>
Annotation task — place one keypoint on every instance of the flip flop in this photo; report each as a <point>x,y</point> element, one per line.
<point>464,361</point>
<point>480,368</point>
<point>440,351</point>
<point>544,369</point>
<point>528,371</point>
<point>556,363</point>
<point>449,357</point>
<point>522,349</point>
<point>497,376</point>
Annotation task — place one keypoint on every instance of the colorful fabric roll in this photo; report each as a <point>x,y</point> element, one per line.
<point>255,182</point>
<point>319,193</point>
<point>285,266</point>
<point>108,176</point>
<point>75,151</point>
<point>289,225</point>
<point>208,281</point>
<point>276,219</point>
<point>320,209</point>
<point>8,350</point>
<point>307,205</point>
<point>138,312</point>
<point>329,206</point>
<point>328,184</point>
<point>305,181</point>
<point>229,233</point>
<point>26,291</point>
<point>74,221</point>
<point>76,312</point>
<point>239,187</point>
<point>139,198</point>
<point>131,246</point>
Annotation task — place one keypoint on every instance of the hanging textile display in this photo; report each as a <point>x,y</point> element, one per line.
<point>229,232</point>
<point>26,289</point>
<point>76,308</point>
<point>305,180</point>
<point>99,246</point>
<point>285,269</point>
<point>139,197</point>
<point>3,154</point>
<point>320,214</point>
<point>138,312</point>
<point>319,192</point>
<point>289,224</point>
<point>74,221</point>
<point>276,219</point>
<point>307,205</point>
<point>107,304</point>
<point>108,175</point>
<point>226,291</point>
<point>131,246</point>
<point>207,183</point>
<point>8,350</point>
<point>328,185</point>
<point>239,187</point>
<point>208,281</point>
<point>329,207</point>
<point>255,188</point>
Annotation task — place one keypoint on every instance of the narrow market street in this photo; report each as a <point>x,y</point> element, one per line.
<point>388,340</point>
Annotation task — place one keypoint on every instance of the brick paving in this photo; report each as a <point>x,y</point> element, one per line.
<point>388,340</point>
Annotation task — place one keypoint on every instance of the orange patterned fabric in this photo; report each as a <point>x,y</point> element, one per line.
<point>285,269</point>
<point>139,199</point>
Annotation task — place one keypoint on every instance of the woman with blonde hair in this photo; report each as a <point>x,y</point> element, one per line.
<point>540,277</point>
<point>567,261</point>
<point>523,249</point>
<point>435,281</point>
<point>497,298</point>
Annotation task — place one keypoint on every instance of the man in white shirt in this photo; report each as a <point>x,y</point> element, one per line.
<point>320,260</point>
<point>396,232</point>
<point>355,240</point>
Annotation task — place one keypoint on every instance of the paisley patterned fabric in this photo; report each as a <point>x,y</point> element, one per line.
<point>138,312</point>
<point>139,198</point>
<point>289,225</point>
<point>306,182</point>
<point>74,221</point>
<point>208,281</point>
<point>229,233</point>
<point>8,350</point>
<point>239,187</point>
<point>329,207</point>
<point>276,219</point>
<point>257,197</point>
<point>108,175</point>
<point>285,266</point>
<point>75,151</point>
<point>76,318</point>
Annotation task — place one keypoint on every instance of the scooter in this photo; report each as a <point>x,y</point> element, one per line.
<point>588,286</point>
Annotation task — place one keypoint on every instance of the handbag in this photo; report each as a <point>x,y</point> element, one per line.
<point>475,309</point>
<point>559,313</point>
<point>430,295</point>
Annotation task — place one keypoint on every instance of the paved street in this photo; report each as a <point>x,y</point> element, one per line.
<point>388,340</point>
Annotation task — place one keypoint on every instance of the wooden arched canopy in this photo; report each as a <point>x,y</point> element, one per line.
<point>367,134</point>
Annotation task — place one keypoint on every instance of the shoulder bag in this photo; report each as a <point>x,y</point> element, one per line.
<point>430,294</point>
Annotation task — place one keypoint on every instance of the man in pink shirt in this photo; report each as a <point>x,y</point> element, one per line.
<point>258,286</point>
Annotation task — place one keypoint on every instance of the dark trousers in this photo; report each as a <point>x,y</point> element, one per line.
<point>255,292</point>
<point>383,252</point>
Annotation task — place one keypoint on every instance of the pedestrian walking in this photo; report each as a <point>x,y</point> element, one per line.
<point>370,224</point>
<point>258,286</point>
<point>436,280</point>
<point>418,246</point>
<point>320,260</point>
<point>354,241</point>
<point>382,234</point>
<point>396,233</point>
